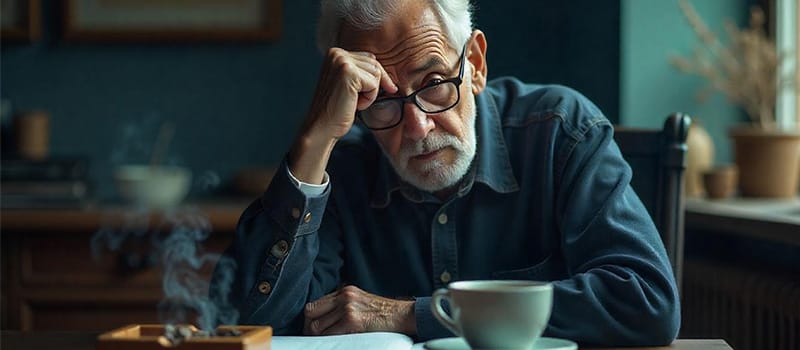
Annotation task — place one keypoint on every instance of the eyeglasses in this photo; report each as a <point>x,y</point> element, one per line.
<point>434,98</point>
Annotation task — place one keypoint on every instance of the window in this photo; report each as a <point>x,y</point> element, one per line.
<point>788,42</point>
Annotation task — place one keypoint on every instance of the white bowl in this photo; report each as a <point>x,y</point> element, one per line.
<point>153,186</point>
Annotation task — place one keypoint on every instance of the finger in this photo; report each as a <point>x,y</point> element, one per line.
<point>344,319</point>
<point>346,323</point>
<point>362,77</point>
<point>320,325</point>
<point>373,66</point>
<point>364,60</point>
<point>365,75</point>
<point>368,91</point>
<point>363,54</point>
<point>313,305</point>
<point>306,327</point>
<point>386,81</point>
<point>321,306</point>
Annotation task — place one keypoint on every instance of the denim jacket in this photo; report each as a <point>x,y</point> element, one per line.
<point>547,198</point>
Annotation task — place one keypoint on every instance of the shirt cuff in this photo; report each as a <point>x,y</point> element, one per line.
<point>295,212</point>
<point>428,327</point>
<point>311,190</point>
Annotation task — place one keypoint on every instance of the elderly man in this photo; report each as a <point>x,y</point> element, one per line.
<point>411,171</point>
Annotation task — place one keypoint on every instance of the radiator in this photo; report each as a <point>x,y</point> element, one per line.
<point>750,309</point>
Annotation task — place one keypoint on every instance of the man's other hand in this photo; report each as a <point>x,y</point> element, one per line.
<point>352,310</point>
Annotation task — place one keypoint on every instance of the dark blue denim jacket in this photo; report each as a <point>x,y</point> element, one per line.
<point>547,198</point>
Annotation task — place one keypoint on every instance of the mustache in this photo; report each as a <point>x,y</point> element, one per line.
<point>433,142</point>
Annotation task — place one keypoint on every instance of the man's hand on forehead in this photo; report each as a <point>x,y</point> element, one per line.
<point>349,81</point>
<point>367,95</point>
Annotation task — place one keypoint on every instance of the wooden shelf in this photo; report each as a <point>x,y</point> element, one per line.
<point>776,220</point>
<point>222,214</point>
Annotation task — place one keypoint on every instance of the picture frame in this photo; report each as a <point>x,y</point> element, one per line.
<point>172,20</point>
<point>21,20</point>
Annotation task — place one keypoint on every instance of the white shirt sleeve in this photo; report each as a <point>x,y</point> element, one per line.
<point>308,189</point>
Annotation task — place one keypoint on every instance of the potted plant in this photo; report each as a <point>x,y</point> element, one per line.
<point>749,71</point>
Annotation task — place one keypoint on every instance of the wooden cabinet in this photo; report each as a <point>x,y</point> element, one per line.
<point>742,280</point>
<point>57,275</point>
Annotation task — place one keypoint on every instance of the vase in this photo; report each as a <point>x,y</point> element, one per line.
<point>768,162</point>
<point>699,158</point>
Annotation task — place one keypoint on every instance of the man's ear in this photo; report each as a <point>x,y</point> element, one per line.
<point>476,55</point>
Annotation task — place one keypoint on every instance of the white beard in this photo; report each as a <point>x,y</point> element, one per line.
<point>436,175</point>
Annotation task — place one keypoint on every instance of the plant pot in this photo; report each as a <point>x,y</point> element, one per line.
<point>721,182</point>
<point>768,162</point>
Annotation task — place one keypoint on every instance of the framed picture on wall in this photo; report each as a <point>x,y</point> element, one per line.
<point>20,20</point>
<point>172,20</point>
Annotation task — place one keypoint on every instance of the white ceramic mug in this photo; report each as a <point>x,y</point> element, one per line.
<point>496,314</point>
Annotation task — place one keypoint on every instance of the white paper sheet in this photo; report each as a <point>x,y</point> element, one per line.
<point>376,340</point>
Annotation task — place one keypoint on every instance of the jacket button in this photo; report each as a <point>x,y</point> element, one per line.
<point>280,249</point>
<point>442,219</point>
<point>445,277</point>
<point>295,213</point>
<point>307,218</point>
<point>264,287</point>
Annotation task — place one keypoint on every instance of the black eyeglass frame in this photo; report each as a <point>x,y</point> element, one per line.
<point>413,96</point>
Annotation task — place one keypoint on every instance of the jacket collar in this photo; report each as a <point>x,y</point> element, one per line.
<point>491,166</point>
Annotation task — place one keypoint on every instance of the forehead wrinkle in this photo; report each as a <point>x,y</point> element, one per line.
<point>424,32</point>
<point>416,53</point>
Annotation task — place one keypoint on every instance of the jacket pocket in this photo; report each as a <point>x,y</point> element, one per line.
<point>543,271</point>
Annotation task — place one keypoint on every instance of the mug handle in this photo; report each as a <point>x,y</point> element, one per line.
<point>436,306</point>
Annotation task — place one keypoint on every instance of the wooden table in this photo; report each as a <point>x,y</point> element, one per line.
<point>15,340</point>
<point>687,344</point>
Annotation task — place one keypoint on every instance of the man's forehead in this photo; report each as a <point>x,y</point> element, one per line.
<point>419,52</point>
<point>414,26</point>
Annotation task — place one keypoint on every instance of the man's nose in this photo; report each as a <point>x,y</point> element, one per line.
<point>416,123</point>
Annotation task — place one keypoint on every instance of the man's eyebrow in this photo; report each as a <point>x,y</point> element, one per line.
<point>430,63</point>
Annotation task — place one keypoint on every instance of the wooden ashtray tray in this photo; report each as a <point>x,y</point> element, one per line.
<point>160,337</point>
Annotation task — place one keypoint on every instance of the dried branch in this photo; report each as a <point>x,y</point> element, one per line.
<point>747,70</point>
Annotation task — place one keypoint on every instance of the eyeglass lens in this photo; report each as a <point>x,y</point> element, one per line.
<point>431,99</point>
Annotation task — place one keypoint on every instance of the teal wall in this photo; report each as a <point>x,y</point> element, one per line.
<point>234,105</point>
<point>573,43</point>
<point>650,88</point>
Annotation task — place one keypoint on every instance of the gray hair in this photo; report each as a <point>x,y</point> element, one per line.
<point>455,17</point>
